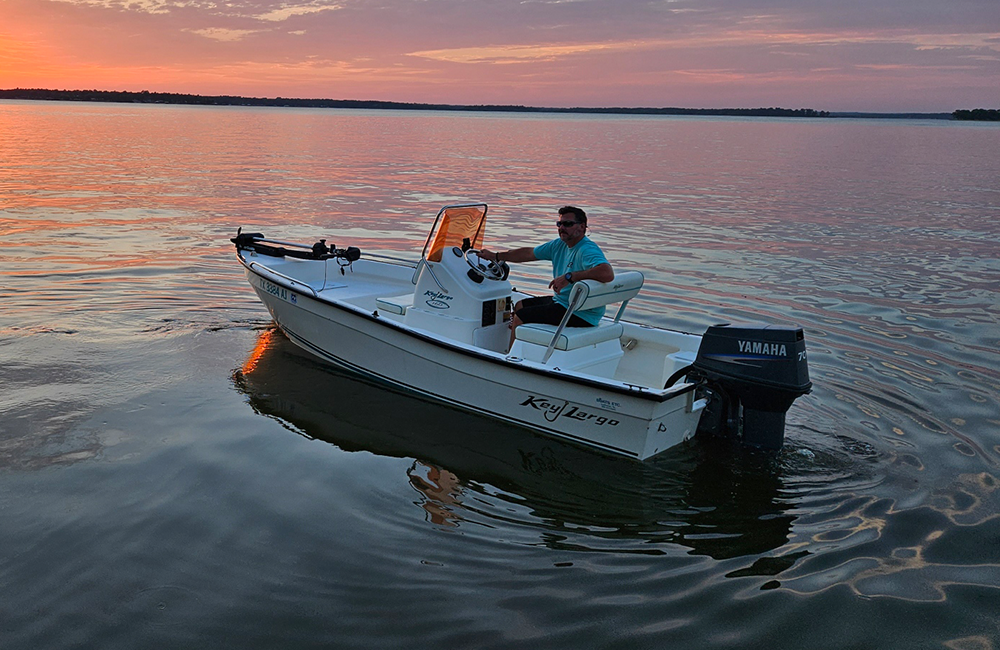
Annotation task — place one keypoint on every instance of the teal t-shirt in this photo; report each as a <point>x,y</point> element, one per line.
<point>585,255</point>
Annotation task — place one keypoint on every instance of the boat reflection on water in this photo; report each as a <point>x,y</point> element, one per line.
<point>441,493</point>
<point>708,496</point>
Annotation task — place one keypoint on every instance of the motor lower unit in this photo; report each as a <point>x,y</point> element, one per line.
<point>751,374</point>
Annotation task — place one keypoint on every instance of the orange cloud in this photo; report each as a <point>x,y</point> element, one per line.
<point>514,53</point>
<point>223,34</point>
<point>286,12</point>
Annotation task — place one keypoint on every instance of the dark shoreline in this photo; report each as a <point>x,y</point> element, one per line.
<point>146,97</point>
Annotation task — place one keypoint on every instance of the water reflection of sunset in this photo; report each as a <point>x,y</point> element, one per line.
<point>263,343</point>
<point>148,405</point>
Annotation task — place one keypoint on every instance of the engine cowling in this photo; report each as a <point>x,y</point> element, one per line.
<point>752,372</point>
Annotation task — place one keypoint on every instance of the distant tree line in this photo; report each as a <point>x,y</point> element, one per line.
<point>146,97</point>
<point>981,114</point>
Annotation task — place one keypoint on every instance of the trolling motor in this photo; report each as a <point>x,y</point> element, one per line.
<point>751,373</point>
<point>256,242</point>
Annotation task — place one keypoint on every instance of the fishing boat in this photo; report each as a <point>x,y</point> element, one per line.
<point>440,328</point>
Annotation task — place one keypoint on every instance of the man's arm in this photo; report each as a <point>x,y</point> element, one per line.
<point>526,254</point>
<point>601,273</point>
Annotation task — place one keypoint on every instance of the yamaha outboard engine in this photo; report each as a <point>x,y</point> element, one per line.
<point>752,373</point>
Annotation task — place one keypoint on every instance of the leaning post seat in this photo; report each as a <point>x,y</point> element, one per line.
<point>571,338</point>
<point>586,294</point>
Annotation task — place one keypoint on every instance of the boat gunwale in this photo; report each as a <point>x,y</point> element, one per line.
<point>632,390</point>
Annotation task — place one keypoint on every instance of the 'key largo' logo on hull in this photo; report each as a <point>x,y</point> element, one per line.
<point>553,411</point>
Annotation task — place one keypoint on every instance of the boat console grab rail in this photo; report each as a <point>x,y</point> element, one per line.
<point>416,273</point>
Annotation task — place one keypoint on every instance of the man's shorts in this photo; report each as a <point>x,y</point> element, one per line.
<point>546,310</point>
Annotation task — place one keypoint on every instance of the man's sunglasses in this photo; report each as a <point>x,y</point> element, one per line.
<point>566,224</point>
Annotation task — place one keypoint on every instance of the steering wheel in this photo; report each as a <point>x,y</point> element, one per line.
<point>489,269</point>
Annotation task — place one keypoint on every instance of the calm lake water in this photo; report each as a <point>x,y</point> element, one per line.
<point>175,474</point>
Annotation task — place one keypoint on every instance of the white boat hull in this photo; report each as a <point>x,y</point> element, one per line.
<point>634,421</point>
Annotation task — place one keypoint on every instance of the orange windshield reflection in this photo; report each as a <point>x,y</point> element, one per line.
<point>264,343</point>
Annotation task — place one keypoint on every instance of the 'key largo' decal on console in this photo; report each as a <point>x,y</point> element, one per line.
<point>437,300</point>
<point>553,411</point>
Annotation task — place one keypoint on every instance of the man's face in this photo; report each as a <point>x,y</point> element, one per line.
<point>569,228</point>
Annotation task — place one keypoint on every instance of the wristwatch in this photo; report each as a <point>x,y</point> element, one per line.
<point>569,277</point>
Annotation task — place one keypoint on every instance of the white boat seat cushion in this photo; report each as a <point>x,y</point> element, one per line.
<point>591,293</point>
<point>395,304</point>
<point>571,338</point>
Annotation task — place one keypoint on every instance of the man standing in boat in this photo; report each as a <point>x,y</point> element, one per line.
<point>574,257</point>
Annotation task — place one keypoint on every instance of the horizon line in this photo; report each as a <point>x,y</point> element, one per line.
<point>293,102</point>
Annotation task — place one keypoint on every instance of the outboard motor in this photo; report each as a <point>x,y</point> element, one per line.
<point>752,372</point>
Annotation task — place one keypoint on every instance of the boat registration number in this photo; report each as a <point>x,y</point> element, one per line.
<point>276,291</point>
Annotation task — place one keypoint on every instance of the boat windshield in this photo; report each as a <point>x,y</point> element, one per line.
<point>455,224</point>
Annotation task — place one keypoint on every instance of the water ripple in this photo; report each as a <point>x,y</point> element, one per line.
<point>155,496</point>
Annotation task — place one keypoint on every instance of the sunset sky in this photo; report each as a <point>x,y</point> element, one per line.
<point>837,55</point>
